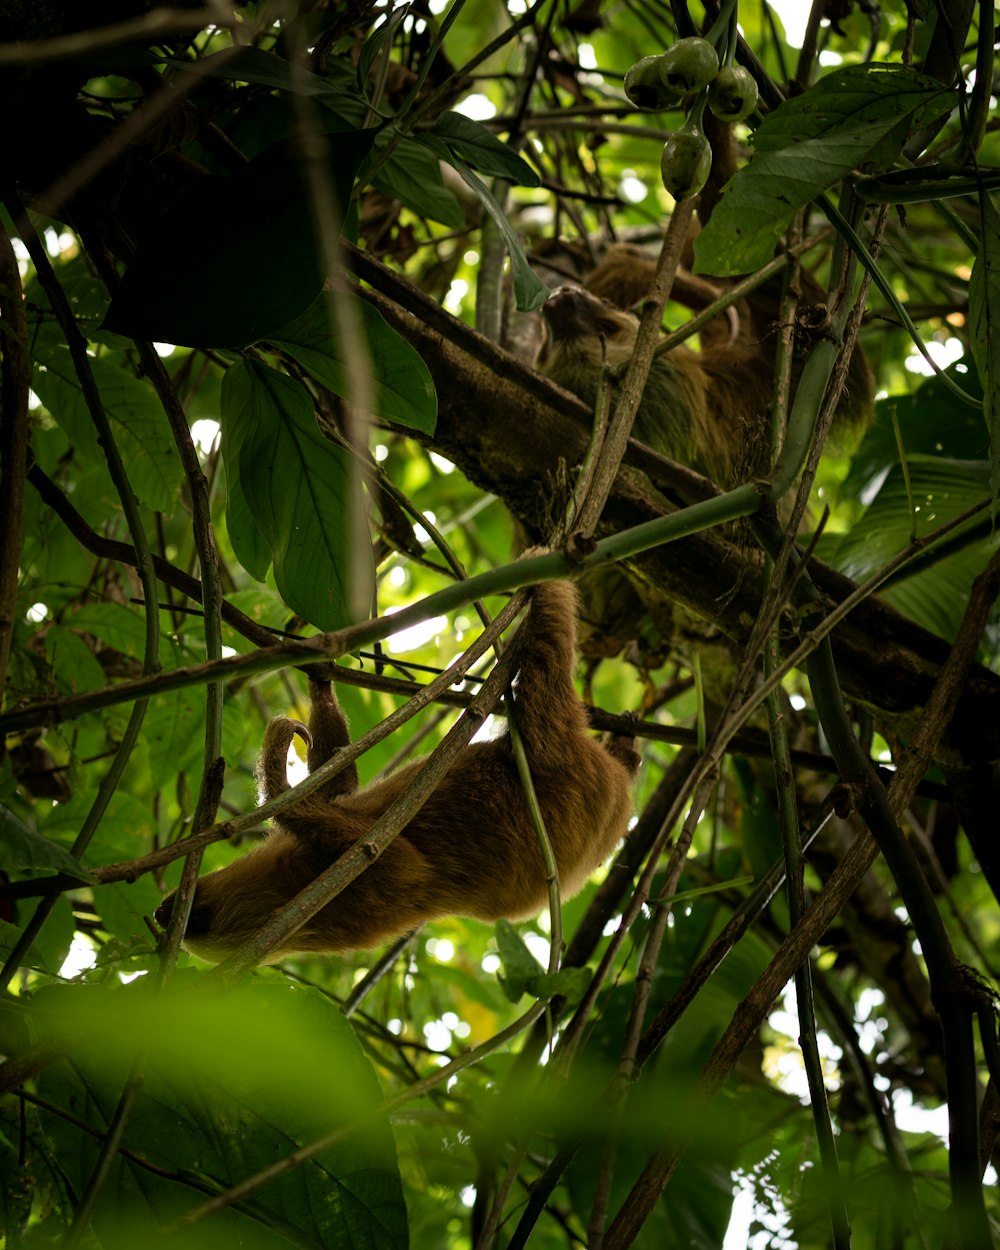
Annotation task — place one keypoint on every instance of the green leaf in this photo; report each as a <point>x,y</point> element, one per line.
<point>375,42</point>
<point>933,421</point>
<point>521,968</point>
<point>73,663</point>
<point>122,906</point>
<point>138,423</point>
<point>412,175</point>
<point>471,142</point>
<point>296,487</point>
<point>935,597</point>
<point>530,292</point>
<point>984,310</point>
<point>119,627</point>
<point>173,735</point>
<point>857,116</point>
<point>233,258</point>
<point>568,983</point>
<point>524,975</point>
<point>233,1083</point>
<point>24,850</point>
<point>50,947</point>
<point>404,390</point>
<point>256,65</point>
<point>246,535</point>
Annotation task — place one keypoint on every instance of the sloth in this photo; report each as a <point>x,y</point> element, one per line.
<point>471,850</point>
<point>707,409</point>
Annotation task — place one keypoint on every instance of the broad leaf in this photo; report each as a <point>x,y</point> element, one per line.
<point>473,144</point>
<point>521,968</point>
<point>858,116</point>
<point>138,424</point>
<point>121,628</point>
<point>412,175</point>
<point>233,1084</point>
<point>235,256</point>
<point>935,596</point>
<point>21,849</point>
<point>403,390</point>
<point>933,422</point>
<point>530,292</point>
<point>524,975</point>
<point>294,486</point>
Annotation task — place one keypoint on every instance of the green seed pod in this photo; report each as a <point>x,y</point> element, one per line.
<point>688,65</point>
<point>732,94</point>
<point>686,162</point>
<point>645,87</point>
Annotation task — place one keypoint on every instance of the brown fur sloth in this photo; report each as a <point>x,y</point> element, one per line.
<point>704,409</point>
<point>470,851</point>
<point>707,409</point>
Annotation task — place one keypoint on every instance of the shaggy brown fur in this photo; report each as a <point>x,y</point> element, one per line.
<point>708,410</point>
<point>470,851</point>
<point>704,409</point>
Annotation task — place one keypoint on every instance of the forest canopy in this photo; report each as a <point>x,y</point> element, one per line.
<point>327,332</point>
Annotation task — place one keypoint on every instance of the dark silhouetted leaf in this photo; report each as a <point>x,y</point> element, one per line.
<point>234,257</point>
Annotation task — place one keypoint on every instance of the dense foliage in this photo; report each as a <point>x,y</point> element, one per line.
<point>269,287</point>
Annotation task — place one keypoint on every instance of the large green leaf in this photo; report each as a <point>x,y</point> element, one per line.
<point>235,256</point>
<point>404,390</point>
<point>245,533</point>
<point>295,487</point>
<point>138,423</point>
<point>530,292</point>
<point>936,596</point>
<point>233,1084</point>
<point>114,624</point>
<point>932,421</point>
<point>860,115</point>
<point>22,849</point>
<point>412,175</point>
<point>474,144</point>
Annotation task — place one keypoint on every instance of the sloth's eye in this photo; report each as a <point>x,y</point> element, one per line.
<point>608,328</point>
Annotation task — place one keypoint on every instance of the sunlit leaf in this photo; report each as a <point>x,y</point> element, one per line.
<point>232,1084</point>
<point>473,143</point>
<point>857,116</point>
<point>295,485</point>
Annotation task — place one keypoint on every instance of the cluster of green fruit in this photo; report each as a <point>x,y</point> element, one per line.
<point>660,82</point>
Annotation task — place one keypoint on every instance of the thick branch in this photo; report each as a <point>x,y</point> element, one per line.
<point>506,428</point>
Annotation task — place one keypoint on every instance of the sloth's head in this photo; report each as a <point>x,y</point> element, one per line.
<point>581,332</point>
